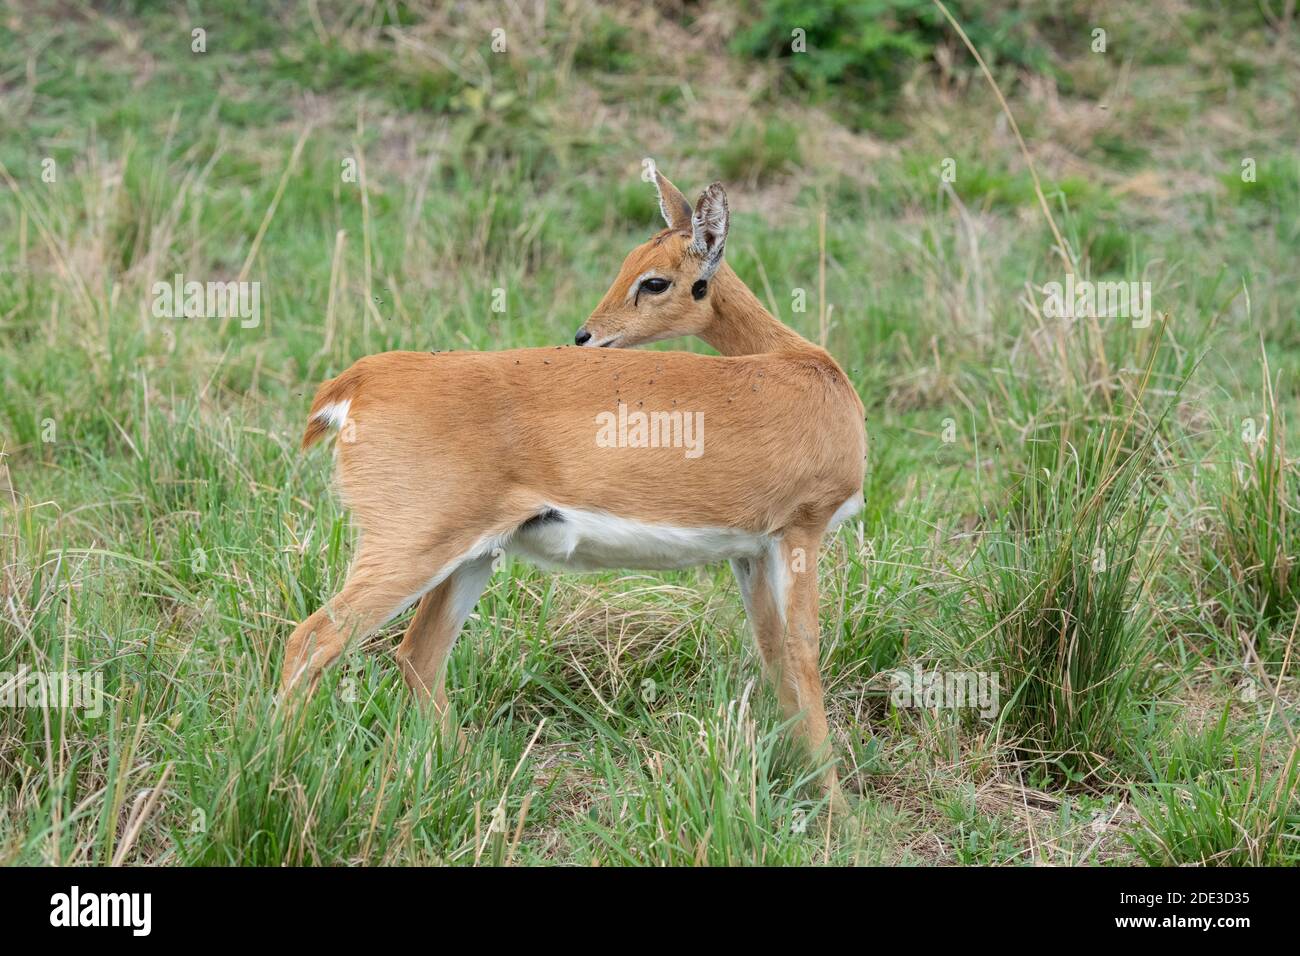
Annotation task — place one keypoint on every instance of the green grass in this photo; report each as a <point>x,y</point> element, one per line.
<point>1250,559</point>
<point>1212,804</point>
<point>1056,593</point>
<point>160,530</point>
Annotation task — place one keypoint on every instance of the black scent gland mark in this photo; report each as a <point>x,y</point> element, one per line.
<point>549,516</point>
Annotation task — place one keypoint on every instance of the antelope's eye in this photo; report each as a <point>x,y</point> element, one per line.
<point>654,285</point>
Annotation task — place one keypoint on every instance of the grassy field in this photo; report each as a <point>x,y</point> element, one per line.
<point>1100,512</point>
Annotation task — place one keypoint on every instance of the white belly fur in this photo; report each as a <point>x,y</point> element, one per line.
<point>583,540</point>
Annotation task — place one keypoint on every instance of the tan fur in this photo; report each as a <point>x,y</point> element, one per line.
<point>445,451</point>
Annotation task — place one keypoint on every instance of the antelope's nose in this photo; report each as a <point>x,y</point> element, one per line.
<point>582,337</point>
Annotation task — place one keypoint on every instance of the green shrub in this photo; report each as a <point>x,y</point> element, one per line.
<point>866,48</point>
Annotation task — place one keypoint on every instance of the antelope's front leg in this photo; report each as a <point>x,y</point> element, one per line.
<point>801,669</point>
<point>781,600</point>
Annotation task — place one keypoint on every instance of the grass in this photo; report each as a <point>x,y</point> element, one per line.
<point>1056,594</point>
<point>1251,556</point>
<point>1211,804</point>
<point>160,531</point>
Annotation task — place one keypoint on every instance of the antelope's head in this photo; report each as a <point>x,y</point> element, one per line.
<point>662,290</point>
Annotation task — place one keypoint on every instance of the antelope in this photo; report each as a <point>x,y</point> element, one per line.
<point>449,459</point>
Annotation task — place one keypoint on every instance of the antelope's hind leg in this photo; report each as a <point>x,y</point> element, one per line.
<point>381,584</point>
<point>433,631</point>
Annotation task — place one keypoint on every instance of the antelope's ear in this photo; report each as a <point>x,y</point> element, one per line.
<point>709,229</point>
<point>673,205</point>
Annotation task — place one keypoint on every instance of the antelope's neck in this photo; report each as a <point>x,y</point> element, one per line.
<point>741,326</point>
